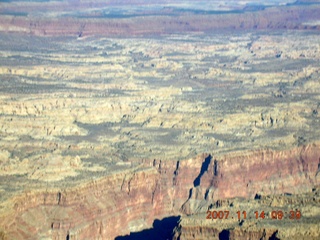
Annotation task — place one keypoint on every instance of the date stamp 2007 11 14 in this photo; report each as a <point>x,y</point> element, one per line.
<point>277,214</point>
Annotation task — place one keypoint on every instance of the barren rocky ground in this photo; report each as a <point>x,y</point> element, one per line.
<point>102,133</point>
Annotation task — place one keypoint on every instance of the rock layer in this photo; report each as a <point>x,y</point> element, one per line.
<point>102,135</point>
<point>261,219</point>
<point>285,17</point>
<point>130,201</point>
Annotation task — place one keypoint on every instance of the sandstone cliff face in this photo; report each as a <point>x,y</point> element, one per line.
<point>130,201</point>
<point>264,172</point>
<point>306,226</point>
<point>293,17</point>
<point>104,208</point>
<point>73,107</point>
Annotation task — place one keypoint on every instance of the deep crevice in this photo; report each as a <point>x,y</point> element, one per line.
<point>175,174</point>
<point>204,168</point>
<point>190,194</point>
<point>215,168</point>
<point>206,194</point>
<point>274,236</point>
<point>176,171</point>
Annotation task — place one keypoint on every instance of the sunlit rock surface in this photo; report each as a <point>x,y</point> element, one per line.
<point>108,125</point>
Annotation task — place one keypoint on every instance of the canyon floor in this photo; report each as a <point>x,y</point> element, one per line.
<point>135,127</point>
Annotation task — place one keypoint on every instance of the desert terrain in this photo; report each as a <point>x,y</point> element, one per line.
<point>124,122</point>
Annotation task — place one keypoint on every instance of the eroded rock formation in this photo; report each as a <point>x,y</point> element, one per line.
<point>105,127</point>
<point>92,22</point>
<point>261,221</point>
<point>129,201</point>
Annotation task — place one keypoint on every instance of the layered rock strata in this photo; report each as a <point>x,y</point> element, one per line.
<point>299,218</point>
<point>100,136</point>
<point>129,201</point>
<point>285,17</point>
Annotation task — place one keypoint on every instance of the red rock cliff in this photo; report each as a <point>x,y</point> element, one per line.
<point>131,200</point>
<point>286,17</point>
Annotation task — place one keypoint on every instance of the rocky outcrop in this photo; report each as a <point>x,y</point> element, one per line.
<point>129,201</point>
<point>286,17</point>
<point>236,175</point>
<point>106,208</point>
<point>99,136</point>
<point>305,225</point>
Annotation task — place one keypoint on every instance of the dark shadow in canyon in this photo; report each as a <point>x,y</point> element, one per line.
<point>161,230</point>
<point>204,168</point>
<point>224,235</point>
<point>274,236</point>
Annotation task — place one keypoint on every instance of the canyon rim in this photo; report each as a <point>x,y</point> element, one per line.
<point>135,120</point>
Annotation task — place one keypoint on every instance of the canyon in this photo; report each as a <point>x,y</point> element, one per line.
<point>292,17</point>
<point>132,122</point>
<point>128,201</point>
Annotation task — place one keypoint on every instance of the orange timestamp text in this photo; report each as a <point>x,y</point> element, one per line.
<point>240,215</point>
